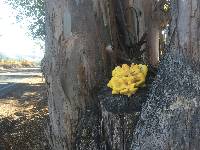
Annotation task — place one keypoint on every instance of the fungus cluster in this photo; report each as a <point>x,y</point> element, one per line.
<point>126,80</point>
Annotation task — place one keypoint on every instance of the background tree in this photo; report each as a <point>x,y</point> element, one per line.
<point>32,14</point>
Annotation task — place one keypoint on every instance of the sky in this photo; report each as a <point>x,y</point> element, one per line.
<point>13,39</point>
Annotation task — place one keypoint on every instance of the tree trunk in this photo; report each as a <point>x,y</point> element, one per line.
<point>85,39</point>
<point>77,60</point>
<point>153,43</point>
<point>170,117</point>
<point>75,63</point>
<point>151,18</point>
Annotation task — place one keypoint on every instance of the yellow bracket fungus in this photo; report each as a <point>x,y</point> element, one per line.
<point>127,79</point>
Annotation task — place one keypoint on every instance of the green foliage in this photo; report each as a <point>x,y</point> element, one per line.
<point>33,12</point>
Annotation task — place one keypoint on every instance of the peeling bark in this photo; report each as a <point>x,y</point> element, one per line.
<point>75,51</point>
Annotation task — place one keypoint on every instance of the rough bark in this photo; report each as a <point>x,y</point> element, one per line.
<point>119,117</point>
<point>118,129</point>
<point>170,118</point>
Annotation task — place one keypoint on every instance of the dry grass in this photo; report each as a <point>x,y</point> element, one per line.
<point>16,63</point>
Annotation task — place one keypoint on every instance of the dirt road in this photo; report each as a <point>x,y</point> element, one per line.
<point>10,78</point>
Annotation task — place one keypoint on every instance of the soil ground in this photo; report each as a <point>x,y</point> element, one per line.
<point>24,116</point>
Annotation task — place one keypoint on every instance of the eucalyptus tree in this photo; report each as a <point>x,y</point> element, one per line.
<point>86,39</point>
